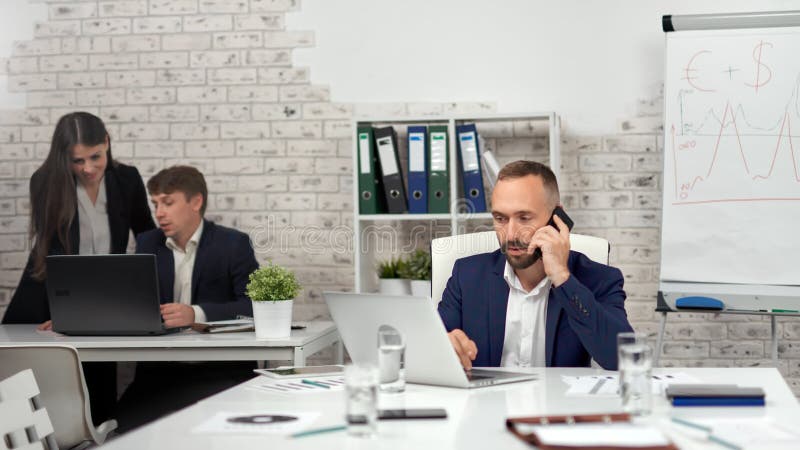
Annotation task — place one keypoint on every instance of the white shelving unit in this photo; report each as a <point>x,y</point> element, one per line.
<point>366,260</point>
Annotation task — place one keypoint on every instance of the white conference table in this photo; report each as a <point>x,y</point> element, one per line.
<point>476,418</point>
<point>187,345</point>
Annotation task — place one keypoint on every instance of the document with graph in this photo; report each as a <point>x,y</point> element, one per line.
<point>731,204</point>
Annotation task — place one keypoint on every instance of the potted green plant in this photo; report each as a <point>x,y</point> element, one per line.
<point>272,289</point>
<point>417,268</point>
<point>389,279</point>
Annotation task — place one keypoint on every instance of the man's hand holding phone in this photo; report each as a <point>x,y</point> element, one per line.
<point>553,242</point>
<point>465,348</point>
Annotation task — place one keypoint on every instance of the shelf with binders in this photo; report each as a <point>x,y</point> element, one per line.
<point>507,136</point>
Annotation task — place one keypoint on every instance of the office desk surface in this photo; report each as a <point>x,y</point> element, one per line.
<point>476,418</point>
<point>186,345</point>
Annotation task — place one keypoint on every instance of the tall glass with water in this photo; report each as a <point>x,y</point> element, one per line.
<point>391,353</point>
<point>635,377</point>
<point>361,388</point>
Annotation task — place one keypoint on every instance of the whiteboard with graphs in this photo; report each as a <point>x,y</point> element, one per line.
<point>731,205</point>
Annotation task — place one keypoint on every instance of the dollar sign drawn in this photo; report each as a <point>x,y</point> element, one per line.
<point>757,50</point>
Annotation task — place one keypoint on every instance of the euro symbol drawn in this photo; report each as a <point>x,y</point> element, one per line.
<point>760,81</point>
<point>690,72</point>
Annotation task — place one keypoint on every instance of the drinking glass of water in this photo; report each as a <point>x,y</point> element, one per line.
<point>361,388</point>
<point>391,352</point>
<point>635,377</point>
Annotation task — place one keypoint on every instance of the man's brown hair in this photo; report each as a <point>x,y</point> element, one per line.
<point>523,168</point>
<point>184,179</point>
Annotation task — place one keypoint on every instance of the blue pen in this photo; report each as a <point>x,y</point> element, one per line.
<point>708,430</point>
<point>318,431</point>
<point>314,383</point>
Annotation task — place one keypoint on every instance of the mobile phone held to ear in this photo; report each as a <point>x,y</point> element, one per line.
<point>405,414</point>
<point>559,211</point>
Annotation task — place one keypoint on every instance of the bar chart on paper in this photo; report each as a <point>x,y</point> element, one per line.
<point>731,156</point>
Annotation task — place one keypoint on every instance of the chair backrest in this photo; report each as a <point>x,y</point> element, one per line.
<point>445,251</point>
<point>63,389</point>
<point>24,423</point>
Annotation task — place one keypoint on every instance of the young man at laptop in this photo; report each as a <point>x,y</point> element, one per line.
<point>203,269</point>
<point>510,308</point>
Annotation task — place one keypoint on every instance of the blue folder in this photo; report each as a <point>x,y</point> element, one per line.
<point>717,401</point>
<point>417,170</point>
<point>470,157</point>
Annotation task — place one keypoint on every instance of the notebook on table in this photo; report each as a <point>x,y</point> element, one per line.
<point>714,395</point>
<point>588,432</point>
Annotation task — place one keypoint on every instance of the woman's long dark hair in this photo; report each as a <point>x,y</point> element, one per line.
<point>53,197</point>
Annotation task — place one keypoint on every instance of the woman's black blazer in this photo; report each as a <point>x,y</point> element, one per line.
<point>127,208</point>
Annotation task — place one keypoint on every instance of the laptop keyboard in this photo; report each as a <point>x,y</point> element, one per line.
<point>474,377</point>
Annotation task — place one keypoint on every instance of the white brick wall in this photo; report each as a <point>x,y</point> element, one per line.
<point>211,83</point>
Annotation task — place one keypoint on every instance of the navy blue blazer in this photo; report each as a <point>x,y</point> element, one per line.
<point>223,263</point>
<point>584,315</point>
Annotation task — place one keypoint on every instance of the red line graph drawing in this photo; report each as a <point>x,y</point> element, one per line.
<point>683,190</point>
<point>786,123</point>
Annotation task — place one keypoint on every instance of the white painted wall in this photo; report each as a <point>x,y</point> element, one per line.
<point>588,60</point>
<point>16,24</point>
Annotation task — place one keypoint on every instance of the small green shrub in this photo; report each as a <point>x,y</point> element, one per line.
<point>417,266</point>
<point>272,283</point>
<point>391,268</point>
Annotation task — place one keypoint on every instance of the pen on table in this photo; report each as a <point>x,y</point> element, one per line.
<point>708,430</point>
<point>312,432</point>
<point>775,310</point>
<point>314,383</point>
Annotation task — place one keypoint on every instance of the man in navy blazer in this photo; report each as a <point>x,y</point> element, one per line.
<point>223,262</point>
<point>203,270</point>
<point>510,308</point>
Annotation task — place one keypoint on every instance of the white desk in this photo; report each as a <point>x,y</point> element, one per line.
<point>187,345</point>
<point>476,418</point>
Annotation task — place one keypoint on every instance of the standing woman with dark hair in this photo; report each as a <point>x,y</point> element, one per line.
<point>82,202</point>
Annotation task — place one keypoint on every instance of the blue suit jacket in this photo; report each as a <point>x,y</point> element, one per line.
<point>222,266</point>
<point>584,315</point>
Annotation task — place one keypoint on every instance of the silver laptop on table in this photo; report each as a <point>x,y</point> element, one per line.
<point>429,357</point>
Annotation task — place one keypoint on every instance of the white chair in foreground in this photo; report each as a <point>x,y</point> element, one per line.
<point>24,423</point>
<point>445,251</point>
<point>63,390</point>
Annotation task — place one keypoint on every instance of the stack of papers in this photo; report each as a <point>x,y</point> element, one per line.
<point>609,384</point>
<point>594,435</point>
<point>224,326</point>
<point>297,386</point>
<point>745,433</point>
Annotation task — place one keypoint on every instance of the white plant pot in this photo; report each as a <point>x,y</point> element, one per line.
<point>273,320</point>
<point>421,288</point>
<point>394,286</point>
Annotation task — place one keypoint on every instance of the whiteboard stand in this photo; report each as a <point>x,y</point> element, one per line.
<point>664,308</point>
<point>731,38</point>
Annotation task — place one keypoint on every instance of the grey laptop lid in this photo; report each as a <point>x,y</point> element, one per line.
<point>104,294</point>
<point>429,357</point>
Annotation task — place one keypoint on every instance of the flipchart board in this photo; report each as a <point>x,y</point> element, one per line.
<point>731,179</point>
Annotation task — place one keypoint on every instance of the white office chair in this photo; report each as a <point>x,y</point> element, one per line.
<point>445,251</point>
<point>63,390</point>
<point>24,423</point>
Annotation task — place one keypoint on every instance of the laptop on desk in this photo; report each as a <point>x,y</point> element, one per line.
<point>104,295</point>
<point>429,356</point>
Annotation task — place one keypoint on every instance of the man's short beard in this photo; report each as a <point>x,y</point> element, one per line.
<point>518,262</point>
